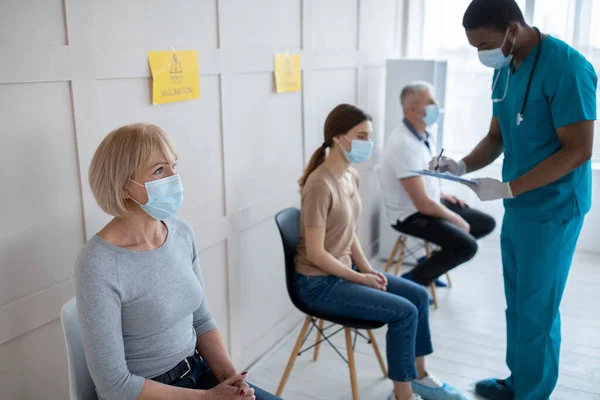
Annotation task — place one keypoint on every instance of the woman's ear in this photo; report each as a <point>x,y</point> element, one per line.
<point>124,191</point>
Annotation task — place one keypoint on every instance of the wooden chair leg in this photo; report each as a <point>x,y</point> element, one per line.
<point>433,295</point>
<point>378,353</point>
<point>427,250</point>
<point>401,256</point>
<point>290,364</point>
<point>351,363</point>
<point>318,345</point>
<point>392,256</point>
<point>449,281</point>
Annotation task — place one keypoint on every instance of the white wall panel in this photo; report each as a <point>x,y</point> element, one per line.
<point>41,228</point>
<point>262,273</point>
<point>264,152</point>
<point>23,66</point>
<point>330,87</point>
<point>378,25</point>
<point>272,24</point>
<point>32,23</point>
<point>334,24</point>
<point>34,365</point>
<point>161,24</point>
<point>213,264</point>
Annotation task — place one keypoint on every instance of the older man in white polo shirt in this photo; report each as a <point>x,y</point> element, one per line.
<point>414,203</point>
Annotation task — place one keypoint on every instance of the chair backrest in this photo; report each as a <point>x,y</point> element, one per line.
<point>288,222</point>
<point>81,386</point>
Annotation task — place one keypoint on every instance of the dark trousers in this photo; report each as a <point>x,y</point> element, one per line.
<point>457,246</point>
<point>202,378</point>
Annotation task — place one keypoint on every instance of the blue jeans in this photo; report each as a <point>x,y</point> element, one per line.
<point>404,308</point>
<point>202,378</point>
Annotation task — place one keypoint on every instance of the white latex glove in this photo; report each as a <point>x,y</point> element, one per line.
<point>491,189</point>
<point>446,164</point>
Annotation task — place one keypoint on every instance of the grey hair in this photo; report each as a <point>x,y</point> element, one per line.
<point>413,89</point>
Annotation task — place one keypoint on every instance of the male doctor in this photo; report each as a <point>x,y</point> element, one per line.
<point>544,107</point>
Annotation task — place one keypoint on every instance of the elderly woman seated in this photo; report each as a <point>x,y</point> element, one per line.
<point>147,330</point>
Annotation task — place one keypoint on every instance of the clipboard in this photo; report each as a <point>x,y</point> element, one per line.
<point>447,176</point>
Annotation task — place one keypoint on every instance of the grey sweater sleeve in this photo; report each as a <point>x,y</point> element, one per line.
<point>203,320</point>
<point>99,309</point>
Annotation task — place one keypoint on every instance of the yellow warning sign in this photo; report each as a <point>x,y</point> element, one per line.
<point>175,66</point>
<point>175,76</point>
<point>288,77</point>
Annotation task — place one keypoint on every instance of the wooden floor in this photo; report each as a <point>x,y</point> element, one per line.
<point>468,332</point>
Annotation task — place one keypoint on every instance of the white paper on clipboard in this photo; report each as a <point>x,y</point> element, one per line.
<point>446,175</point>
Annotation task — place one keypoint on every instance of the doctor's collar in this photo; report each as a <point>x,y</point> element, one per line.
<point>414,131</point>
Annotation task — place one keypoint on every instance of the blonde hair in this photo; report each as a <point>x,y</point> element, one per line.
<point>120,153</point>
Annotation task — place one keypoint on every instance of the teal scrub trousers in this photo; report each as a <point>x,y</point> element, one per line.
<point>536,258</point>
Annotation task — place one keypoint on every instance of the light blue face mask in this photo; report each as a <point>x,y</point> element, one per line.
<point>432,114</point>
<point>360,151</point>
<point>164,197</point>
<point>495,58</point>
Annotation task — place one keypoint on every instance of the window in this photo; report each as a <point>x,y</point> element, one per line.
<point>468,107</point>
<point>556,17</point>
<point>589,45</point>
<point>581,29</point>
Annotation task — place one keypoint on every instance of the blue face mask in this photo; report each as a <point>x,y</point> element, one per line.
<point>432,114</point>
<point>360,151</point>
<point>164,197</point>
<point>495,58</point>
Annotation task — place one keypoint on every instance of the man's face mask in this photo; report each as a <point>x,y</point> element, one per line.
<point>495,58</point>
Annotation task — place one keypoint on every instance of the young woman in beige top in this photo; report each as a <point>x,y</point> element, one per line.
<point>333,275</point>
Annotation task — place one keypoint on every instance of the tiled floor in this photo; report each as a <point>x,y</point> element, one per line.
<point>469,339</point>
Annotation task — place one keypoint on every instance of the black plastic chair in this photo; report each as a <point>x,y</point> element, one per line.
<point>288,222</point>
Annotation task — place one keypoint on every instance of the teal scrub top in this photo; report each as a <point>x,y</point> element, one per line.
<point>563,92</point>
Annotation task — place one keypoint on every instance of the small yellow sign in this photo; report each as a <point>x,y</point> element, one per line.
<point>175,76</point>
<point>287,73</point>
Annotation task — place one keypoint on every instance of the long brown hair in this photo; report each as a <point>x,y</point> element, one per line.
<point>339,121</point>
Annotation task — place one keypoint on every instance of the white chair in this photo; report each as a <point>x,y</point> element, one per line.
<point>400,247</point>
<point>81,386</point>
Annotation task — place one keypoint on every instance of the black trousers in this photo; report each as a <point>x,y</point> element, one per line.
<point>457,246</point>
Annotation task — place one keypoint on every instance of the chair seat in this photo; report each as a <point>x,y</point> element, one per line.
<point>348,322</point>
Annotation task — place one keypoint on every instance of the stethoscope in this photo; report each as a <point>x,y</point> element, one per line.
<point>535,62</point>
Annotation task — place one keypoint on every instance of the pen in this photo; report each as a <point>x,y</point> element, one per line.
<point>437,167</point>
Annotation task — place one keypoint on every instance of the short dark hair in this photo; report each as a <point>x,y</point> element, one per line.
<point>492,14</point>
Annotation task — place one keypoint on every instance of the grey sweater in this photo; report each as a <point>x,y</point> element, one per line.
<point>140,312</point>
